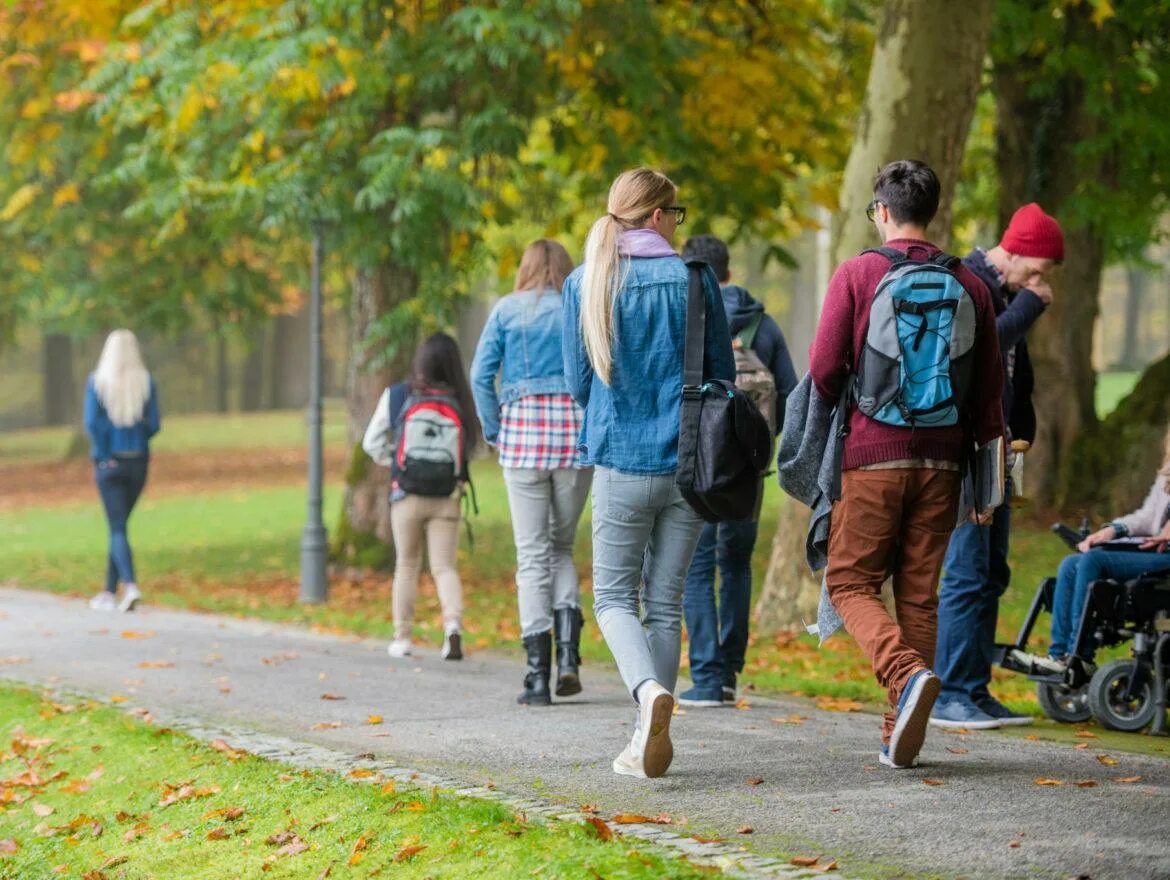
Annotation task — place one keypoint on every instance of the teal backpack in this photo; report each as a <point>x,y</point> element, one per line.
<point>916,364</point>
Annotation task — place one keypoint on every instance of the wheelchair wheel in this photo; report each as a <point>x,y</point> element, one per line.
<point>1107,702</point>
<point>1064,704</point>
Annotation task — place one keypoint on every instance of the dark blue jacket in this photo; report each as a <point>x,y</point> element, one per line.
<point>106,439</point>
<point>1014,314</point>
<point>769,344</point>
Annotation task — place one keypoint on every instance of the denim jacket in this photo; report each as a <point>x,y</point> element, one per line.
<point>521,340</point>
<point>632,424</point>
<point>106,439</point>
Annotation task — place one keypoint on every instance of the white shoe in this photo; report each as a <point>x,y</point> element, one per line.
<point>103,601</point>
<point>130,598</point>
<point>452,645</point>
<point>650,750</point>
<point>1038,662</point>
<point>399,648</point>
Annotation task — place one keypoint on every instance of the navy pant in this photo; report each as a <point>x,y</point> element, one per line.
<point>120,482</point>
<point>718,636</point>
<point>975,575</point>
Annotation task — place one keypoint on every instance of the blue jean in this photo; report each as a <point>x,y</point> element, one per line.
<point>120,482</point>
<point>719,635</point>
<point>975,575</point>
<point>1075,574</point>
<point>644,535</point>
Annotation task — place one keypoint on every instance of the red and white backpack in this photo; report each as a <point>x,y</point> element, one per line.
<point>431,444</point>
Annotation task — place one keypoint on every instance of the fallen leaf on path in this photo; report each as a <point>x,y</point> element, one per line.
<point>829,866</point>
<point>1014,844</point>
<point>1085,783</point>
<point>743,703</point>
<point>156,664</point>
<point>635,819</point>
<point>702,839</point>
<point>232,753</point>
<point>1106,760</point>
<point>138,634</point>
<point>839,704</point>
<point>1032,737</point>
<point>602,830</point>
<point>328,696</point>
<point>118,698</point>
<point>14,661</point>
<point>408,851</point>
<point>961,731</point>
<point>588,808</point>
<point>362,773</point>
<point>374,719</point>
<point>744,829</point>
<point>804,861</point>
<point>956,750</point>
<point>1126,780</point>
<point>929,781</point>
<point>1081,746</point>
<point>326,725</point>
<point>791,719</point>
<point>753,780</point>
<point>1044,780</point>
<point>277,659</point>
<point>1085,734</point>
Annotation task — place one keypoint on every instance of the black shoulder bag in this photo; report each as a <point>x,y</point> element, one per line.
<point>724,443</point>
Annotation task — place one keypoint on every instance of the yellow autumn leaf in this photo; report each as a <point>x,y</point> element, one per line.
<point>374,719</point>
<point>19,200</point>
<point>66,195</point>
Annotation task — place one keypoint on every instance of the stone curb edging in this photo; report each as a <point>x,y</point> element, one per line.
<point>732,861</point>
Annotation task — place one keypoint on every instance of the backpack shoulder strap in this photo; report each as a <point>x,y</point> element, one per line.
<point>946,261</point>
<point>696,326</point>
<point>747,335</point>
<point>894,255</point>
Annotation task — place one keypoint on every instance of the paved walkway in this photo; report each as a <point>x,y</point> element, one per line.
<point>821,790</point>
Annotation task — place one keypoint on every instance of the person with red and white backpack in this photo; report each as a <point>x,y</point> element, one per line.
<point>424,429</point>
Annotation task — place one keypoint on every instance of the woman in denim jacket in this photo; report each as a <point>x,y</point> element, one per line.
<point>625,327</point>
<point>121,415</point>
<point>534,424</point>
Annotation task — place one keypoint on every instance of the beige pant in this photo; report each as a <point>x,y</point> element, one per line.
<point>439,519</point>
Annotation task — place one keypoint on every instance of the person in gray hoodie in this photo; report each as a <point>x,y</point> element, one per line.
<point>718,635</point>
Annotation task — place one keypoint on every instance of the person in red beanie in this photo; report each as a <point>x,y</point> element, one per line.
<point>899,492</point>
<point>975,571</point>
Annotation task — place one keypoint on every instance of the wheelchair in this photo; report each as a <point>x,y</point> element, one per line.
<point>1126,694</point>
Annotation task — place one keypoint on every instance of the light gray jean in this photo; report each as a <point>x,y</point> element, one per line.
<point>546,506</point>
<point>644,535</point>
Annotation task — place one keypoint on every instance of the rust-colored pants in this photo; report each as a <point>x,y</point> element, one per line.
<point>891,523</point>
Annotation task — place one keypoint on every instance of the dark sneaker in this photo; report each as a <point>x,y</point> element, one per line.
<point>729,693</point>
<point>452,646</point>
<point>961,713</point>
<point>701,698</point>
<point>914,707</point>
<point>1001,713</point>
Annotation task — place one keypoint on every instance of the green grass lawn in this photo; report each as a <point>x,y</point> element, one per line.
<point>1111,388</point>
<point>87,791</point>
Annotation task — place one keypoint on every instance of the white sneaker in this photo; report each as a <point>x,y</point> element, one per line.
<point>103,601</point>
<point>1038,662</point>
<point>130,598</point>
<point>399,648</point>
<point>650,750</point>
<point>452,645</point>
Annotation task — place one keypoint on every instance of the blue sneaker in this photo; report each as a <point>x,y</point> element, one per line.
<point>701,698</point>
<point>1001,713</point>
<point>962,713</point>
<point>914,705</point>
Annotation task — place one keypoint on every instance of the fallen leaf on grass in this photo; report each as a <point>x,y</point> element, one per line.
<point>355,854</point>
<point>136,832</point>
<point>138,634</point>
<point>362,773</point>
<point>1085,734</point>
<point>233,754</point>
<point>229,814</point>
<point>1085,783</point>
<point>588,808</point>
<point>804,861</point>
<point>1044,780</point>
<point>326,725</point>
<point>929,781</point>
<point>702,839</point>
<point>744,829</point>
<point>9,847</point>
<point>839,704</point>
<point>1081,746</point>
<point>753,780</point>
<point>156,664</point>
<point>220,833</point>
<point>374,719</point>
<point>75,786</point>
<point>1126,780</point>
<point>1032,737</point>
<point>389,787</point>
<point>956,750</point>
<point>329,696</point>
<point>830,866</point>
<point>291,849</point>
<point>602,830</point>
<point>114,861</point>
<point>1106,760</point>
<point>42,810</point>
<point>408,852</point>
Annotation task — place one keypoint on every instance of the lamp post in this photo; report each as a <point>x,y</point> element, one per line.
<point>314,540</point>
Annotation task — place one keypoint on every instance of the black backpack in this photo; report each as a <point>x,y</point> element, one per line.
<point>724,443</point>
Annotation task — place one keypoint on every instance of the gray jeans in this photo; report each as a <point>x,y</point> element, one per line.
<point>644,534</point>
<point>546,506</point>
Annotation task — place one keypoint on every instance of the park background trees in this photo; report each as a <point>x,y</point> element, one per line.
<point>164,162</point>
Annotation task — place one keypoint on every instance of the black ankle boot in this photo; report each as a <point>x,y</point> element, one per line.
<point>569,621</point>
<point>539,648</point>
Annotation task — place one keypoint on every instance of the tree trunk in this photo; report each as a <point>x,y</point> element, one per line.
<point>1036,157</point>
<point>290,374</point>
<point>919,102</point>
<point>58,387</point>
<point>1132,356</point>
<point>252,380</point>
<point>222,379</point>
<point>363,535</point>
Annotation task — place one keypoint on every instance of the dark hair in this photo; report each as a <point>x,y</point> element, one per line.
<point>712,250</point>
<point>909,189</point>
<point>438,363</point>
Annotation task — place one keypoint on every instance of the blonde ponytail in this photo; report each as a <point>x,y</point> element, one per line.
<point>633,197</point>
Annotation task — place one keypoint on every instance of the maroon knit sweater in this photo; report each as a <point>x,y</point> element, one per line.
<point>841,336</point>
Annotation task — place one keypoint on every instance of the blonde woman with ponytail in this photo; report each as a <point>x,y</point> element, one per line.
<point>625,326</point>
<point>121,415</point>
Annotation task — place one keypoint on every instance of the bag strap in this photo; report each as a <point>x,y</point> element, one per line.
<point>696,327</point>
<point>747,335</point>
<point>894,255</point>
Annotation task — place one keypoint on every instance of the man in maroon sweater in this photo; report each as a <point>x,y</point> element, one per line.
<point>899,486</point>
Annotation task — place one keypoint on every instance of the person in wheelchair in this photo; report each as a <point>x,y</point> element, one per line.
<point>1125,548</point>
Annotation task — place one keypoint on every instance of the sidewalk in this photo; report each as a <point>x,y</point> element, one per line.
<point>821,790</point>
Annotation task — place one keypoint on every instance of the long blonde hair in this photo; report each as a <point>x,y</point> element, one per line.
<point>544,266</point>
<point>633,197</point>
<point>121,380</point>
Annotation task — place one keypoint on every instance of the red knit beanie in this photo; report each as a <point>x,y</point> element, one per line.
<point>1032,233</point>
